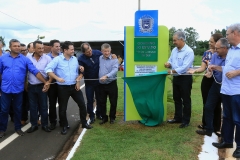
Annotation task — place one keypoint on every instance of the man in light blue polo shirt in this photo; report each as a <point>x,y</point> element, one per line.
<point>231,92</point>
<point>65,70</point>
<point>180,61</point>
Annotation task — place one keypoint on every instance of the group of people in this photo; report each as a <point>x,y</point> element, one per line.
<point>220,85</point>
<point>30,79</point>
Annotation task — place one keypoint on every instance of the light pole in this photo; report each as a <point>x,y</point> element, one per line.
<point>139,4</point>
<point>40,37</point>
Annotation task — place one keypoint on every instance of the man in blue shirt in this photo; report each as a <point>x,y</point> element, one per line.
<point>108,68</point>
<point>180,61</point>
<point>231,91</point>
<point>65,70</point>
<point>1,53</point>
<point>53,91</point>
<point>13,70</point>
<point>90,61</point>
<point>214,95</point>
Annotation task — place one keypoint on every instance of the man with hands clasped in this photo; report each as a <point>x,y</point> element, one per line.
<point>230,91</point>
<point>180,61</point>
<point>65,69</point>
<point>13,77</point>
<point>108,68</point>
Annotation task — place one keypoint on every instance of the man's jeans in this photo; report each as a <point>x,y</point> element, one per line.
<point>37,98</point>
<point>231,118</point>
<point>16,100</point>
<point>90,90</point>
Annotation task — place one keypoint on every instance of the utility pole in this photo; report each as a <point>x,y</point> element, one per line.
<point>139,4</point>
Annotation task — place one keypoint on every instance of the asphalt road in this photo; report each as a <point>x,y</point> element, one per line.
<point>39,145</point>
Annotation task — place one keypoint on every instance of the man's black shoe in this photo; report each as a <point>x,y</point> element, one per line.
<point>222,145</point>
<point>236,153</point>
<point>112,121</point>
<point>2,134</point>
<point>200,126</point>
<point>87,126</point>
<point>204,132</point>
<point>99,117</point>
<point>104,120</point>
<point>46,129</point>
<point>52,126</point>
<point>32,129</point>
<point>183,125</point>
<point>64,130</point>
<point>20,132</point>
<point>92,120</point>
<point>173,121</point>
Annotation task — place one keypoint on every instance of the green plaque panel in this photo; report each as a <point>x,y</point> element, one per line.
<point>145,49</point>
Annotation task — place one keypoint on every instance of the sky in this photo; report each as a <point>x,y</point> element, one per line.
<point>99,20</point>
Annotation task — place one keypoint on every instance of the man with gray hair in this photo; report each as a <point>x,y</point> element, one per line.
<point>108,68</point>
<point>231,92</point>
<point>181,59</point>
<point>214,95</point>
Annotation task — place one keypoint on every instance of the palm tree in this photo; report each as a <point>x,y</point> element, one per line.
<point>2,40</point>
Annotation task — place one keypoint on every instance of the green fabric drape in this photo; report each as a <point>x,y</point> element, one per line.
<point>147,92</point>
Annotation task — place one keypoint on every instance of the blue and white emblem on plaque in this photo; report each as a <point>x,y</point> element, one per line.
<point>146,23</point>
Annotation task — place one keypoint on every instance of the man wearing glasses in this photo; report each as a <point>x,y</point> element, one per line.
<point>24,50</point>
<point>230,91</point>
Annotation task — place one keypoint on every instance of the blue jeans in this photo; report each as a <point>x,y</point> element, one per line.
<point>90,90</point>
<point>16,100</point>
<point>37,99</point>
<point>231,118</point>
<point>213,99</point>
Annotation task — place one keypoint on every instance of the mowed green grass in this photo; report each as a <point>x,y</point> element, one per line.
<point>197,60</point>
<point>131,140</point>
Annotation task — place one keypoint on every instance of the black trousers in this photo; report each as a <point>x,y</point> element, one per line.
<point>52,98</point>
<point>64,92</point>
<point>109,90</point>
<point>206,84</point>
<point>182,86</point>
<point>90,90</point>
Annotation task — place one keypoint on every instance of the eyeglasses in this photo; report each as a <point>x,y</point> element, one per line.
<point>218,48</point>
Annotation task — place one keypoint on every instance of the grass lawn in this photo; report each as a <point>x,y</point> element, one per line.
<point>131,140</point>
<point>197,60</point>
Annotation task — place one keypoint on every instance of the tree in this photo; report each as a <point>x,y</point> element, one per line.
<point>2,39</point>
<point>191,37</point>
<point>171,32</point>
<point>190,33</point>
<point>223,32</point>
